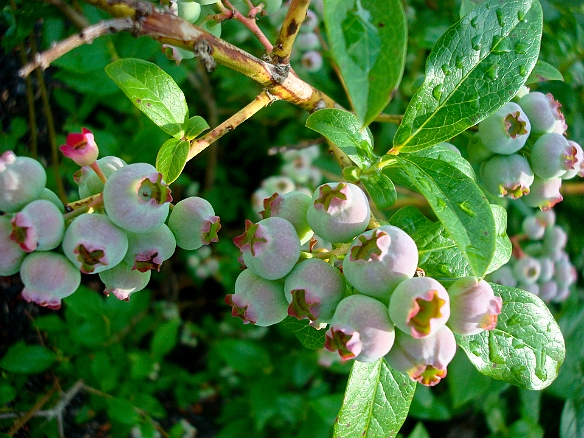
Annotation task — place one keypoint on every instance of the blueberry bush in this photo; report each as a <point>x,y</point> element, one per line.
<point>418,280</point>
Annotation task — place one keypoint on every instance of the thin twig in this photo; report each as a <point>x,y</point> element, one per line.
<point>261,101</point>
<point>18,424</point>
<point>230,12</point>
<point>389,118</point>
<point>78,20</point>
<point>87,36</point>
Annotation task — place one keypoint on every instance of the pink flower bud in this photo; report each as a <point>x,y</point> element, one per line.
<point>473,306</point>
<point>81,148</point>
<point>424,360</point>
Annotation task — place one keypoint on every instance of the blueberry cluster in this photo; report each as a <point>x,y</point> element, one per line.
<point>118,230</point>
<point>362,289</point>
<point>523,150</point>
<point>540,265</point>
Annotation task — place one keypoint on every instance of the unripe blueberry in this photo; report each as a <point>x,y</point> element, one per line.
<point>419,306</point>
<point>189,10</point>
<point>378,260</point>
<point>269,248</point>
<point>506,130</point>
<point>89,183</point>
<point>136,198</point>
<point>122,280</point>
<point>360,329</point>
<point>423,360</point>
<point>291,206</point>
<point>507,175</point>
<point>527,270</point>
<point>307,41</point>
<point>314,289</point>
<point>94,243</point>
<point>543,112</point>
<point>552,156</point>
<point>547,217</point>
<point>547,269</point>
<point>339,212</point>
<point>48,277</point>
<point>22,180</point>
<point>477,152</point>
<point>312,61</point>
<point>533,228</point>
<point>503,276</point>
<point>544,193</point>
<point>257,300</point>
<point>555,238</point>
<point>39,226</point>
<point>548,290</point>
<point>272,6</point>
<point>576,163</point>
<point>298,167</point>
<point>534,249</point>
<point>147,251</point>
<point>565,273</point>
<point>529,287</point>
<point>11,254</point>
<point>49,195</point>
<point>473,306</point>
<point>562,294</point>
<point>81,147</point>
<point>193,223</point>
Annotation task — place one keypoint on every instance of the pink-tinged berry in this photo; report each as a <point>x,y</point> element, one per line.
<point>193,223</point>
<point>314,289</point>
<point>360,329</point>
<point>257,300</point>
<point>312,61</point>
<point>269,248</point>
<point>147,251</point>
<point>89,183</point>
<point>11,254</point>
<point>123,281</point>
<point>136,198</point>
<point>533,228</point>
<point>291,206</point>
<point>307,41</point>
<point>543,112</point>
<point>81,147</point>
<point>22,180</point>
<point>94,243</point>
<point>39,226</point>
<point>378,260</point>
<point>575,161</point>
<point>419,306</point>
<point>338,212</point>
<point>48,277</point>
<point>527,269</point>
<point>506,130</point>
<point>423,360</point>
<point>544,193</point>
<point>473,306</point>
<point>507,175</point>
<point>552,156</point>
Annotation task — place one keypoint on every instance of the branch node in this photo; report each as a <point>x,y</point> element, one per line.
<point>203,50</point>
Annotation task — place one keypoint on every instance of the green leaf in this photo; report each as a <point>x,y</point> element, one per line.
<point>368,42</point>
<point>122,411</point>
<point>344,130</point>
<point>171,158</point>
<point>195,126</point>
<point>245,356</point>
<point>27,359</point>
<point>309,336</point>
<point>381,189</point>
<point>467,5</point>
<point>376,402</point>
<point>526,348</point>
<point>165,337</point>
<point>544,72</point>
<point>419,432</point>
<point>477,66</point>
<point>153,91</point>
<point>459,204</point>
<point>503,247</point>
<point>572,421</point>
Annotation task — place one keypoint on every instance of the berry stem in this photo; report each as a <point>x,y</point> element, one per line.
<point>87,205</point>
<point>98,171</point>
<point>517,250</point>
<point>230,12</point>
<point>339,251</point>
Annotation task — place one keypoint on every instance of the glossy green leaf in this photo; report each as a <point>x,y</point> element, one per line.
<point>381,189</point>
<point>165,337</point>
<point>467,5</point>
<point>544,72</point>
<point>153,91</point>
<point>503,246</point>
<point>195,126</point>
<point>477,66</point>
<point>27,359</point>
<point>526,348</point>
<point>376,403</point>
<point>309,336</point>
<point>171,158</point>
<point>344,130</point>
<point>460,206</point>
<point>368,42</point>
